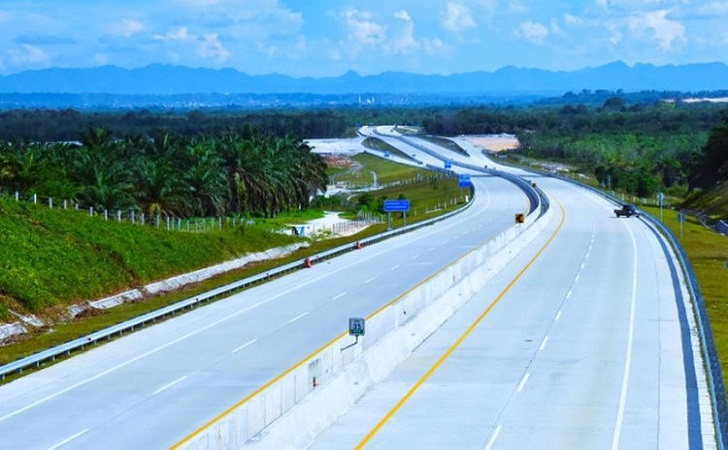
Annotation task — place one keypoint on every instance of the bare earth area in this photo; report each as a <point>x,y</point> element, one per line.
<point>493,142</point>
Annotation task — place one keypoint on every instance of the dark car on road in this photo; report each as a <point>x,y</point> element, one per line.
<point>627,211</point>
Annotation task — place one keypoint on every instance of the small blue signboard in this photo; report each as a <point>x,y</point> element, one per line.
<point>356,326</point>
<point>464,181</point>
<point>448,164</point>
<point>396,205</point>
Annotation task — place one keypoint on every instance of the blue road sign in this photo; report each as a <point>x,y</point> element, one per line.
<point>448,164</point>
<point>464,181</point>
<point>396,205</point>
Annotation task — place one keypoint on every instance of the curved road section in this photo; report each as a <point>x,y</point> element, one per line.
<point>582,342</point>
<point>154,387</point>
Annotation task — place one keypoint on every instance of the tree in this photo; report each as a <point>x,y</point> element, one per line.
<point>711,165</point>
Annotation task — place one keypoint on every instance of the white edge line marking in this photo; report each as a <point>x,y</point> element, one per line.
<point>300,316</point>
<point>137,358</point>
<point>169,344</point>
<point>630,339</point>
<point>522,383</point>
<point>492,439</point>
<point>543,343</point>
<point>169,385</point>
<point>247,344</point>
<point>69,439</point>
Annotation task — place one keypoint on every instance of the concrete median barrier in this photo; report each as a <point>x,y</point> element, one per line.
<point>291,410</point>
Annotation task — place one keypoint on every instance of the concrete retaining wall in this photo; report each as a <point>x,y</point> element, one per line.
<point>326,385</point>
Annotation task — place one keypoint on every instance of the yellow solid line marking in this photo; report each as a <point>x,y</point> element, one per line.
<point>308,358</point>
<point>459,341</point>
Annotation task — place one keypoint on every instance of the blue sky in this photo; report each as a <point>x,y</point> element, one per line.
<point>330,37</point>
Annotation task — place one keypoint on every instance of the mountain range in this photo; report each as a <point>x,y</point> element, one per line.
<point>164,80</point>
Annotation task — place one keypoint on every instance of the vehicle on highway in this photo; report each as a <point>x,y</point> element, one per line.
<point>627,211</point>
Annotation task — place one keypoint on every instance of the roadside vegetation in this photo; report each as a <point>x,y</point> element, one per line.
<point>708,254</point>
<point>52,258</point>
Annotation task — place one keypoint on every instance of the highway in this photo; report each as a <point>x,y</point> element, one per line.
<point>582,342</point>
<point>152,388</point>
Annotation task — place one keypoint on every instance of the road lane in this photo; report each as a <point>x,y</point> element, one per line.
<point>153,387</point>
<point>583,351</point>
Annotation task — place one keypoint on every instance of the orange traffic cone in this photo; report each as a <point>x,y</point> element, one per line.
<point>307,262</point>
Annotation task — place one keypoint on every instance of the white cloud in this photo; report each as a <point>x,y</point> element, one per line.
<point>127,28</point>
<point>665,31</point>
<point>532,32</point>
<point>27,54</point>
<point>362,29</point>
<point>404,41</point>
<point>175,34</point>
<point>456,18</point>
<point>403,15</point>
<point>210,47</point>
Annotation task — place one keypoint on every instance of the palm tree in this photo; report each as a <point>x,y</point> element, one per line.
<point>204,178</point>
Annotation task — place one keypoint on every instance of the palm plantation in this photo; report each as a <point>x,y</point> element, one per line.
<point>231,172</point>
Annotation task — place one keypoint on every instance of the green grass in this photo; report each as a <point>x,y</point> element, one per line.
<point>49,246</point>
<point>708,254</point>
<point>54,257</point>
<point>713,202</point>
<point>378,144</point>
<point>446,143</point>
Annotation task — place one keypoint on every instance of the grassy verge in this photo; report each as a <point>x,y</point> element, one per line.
<point>378,144</point>
<point>428,199</point>
<point>708,254</point>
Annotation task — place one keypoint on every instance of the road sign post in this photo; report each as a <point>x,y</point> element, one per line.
<point>390,206</point>
<point>464,181</point>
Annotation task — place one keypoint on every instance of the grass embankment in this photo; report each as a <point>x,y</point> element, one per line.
<point>708,254</point>
<point>53,258</point>
<point>714,202</point>
<point>375,143</point>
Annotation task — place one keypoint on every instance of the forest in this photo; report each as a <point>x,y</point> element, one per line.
<point>639,148</point>
<point>206,162</point>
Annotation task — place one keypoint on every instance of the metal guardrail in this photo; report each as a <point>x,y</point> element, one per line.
<point>536,197</point>
<point>37,359</point>
<point>716,384</point>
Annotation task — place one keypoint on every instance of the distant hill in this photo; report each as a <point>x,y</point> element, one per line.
<point>166,80</point>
